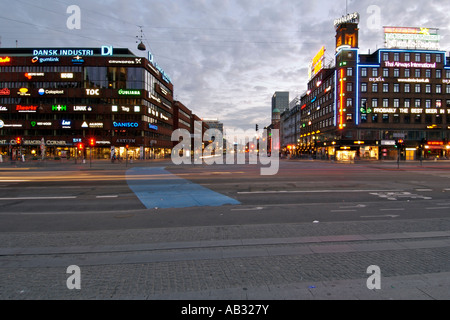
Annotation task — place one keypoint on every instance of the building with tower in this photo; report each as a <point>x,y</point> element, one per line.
<point>390,104</point>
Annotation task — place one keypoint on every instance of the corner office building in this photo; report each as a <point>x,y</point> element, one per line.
<point>392,103</point>
<point>57,99</point>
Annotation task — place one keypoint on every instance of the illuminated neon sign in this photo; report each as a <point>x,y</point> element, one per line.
<point>341,107</point>
<point>63,52</point>
<point>397,64</point>
<point>5,60</point>
<point>350,18</point>
<point>412,38</point>
<point>317,63</point>
<point>5,92</point>
<point>59,108</point>
<point>124,92</point>
<point>125,124</point>
<point>21,108</point>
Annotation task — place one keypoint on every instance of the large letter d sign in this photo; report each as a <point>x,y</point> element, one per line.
<point>107,50</point>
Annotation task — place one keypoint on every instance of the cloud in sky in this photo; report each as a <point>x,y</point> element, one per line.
<point>225,57</point>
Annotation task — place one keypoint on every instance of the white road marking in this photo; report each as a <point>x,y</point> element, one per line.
<point>385,216</point>
<point>37,198</point>
<point>249,209</point>
<point>315,191</point>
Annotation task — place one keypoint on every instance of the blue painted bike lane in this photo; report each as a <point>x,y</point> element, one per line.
<point>158,188</point>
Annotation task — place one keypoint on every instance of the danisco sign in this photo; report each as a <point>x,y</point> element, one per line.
<point>125,124</point>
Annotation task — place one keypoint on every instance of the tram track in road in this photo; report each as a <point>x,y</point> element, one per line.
<point>17,257</point>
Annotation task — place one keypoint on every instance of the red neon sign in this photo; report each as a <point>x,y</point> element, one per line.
<point>341,109</point>
<point>26,108</point>
<point>435,143</point>
<point>5,92</point>
<point>5,60</point>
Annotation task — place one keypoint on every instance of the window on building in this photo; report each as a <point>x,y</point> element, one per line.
<point>418,118</point>
<point>349,117</point>
<point>438,58</point>
<point>385,56</point>
<point>349,102</point>
<point>407,118</point>
<point>385,87</point>
<point>396,56</point>
<point>349,87</point>
<point>438,88</point>
<point>417,103</point>
<point>396,87</point>
<point>438,73</point>
<point>396,103</point>
<point>428,73</point>
<point>385,118</point>
<point>418,73</point>
<point>374,87</point>
<point>438,103</point>
<point>374,103</point>
<point>407,88</point>
<point>418,57</point>
<point>363,72</point>
<point>363,87</point>
<point>428,57</point>
<point>396,73</point>
<point>407,73</point>
<point>349,72</point>
<point>428,88</point>
<point>386,72</point>
<point>385,103</point>
<point>417,88</point>
<point>407,103</point>
<point>428,104</point>
<point>396,118</point>
<point>374,72</point>
<point>407,57</point>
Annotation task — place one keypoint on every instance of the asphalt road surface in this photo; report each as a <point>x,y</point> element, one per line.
<point>161,231</point>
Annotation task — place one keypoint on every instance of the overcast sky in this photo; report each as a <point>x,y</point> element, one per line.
<point>226,57</point>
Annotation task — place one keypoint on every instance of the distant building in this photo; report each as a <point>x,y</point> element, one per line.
<point>214,124</point>
<point>280,101</point>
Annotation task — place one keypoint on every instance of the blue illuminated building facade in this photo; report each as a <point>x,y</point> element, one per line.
<point>390,104</point>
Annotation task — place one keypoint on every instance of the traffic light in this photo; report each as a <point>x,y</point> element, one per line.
<point>364,108</point>
<point>80,146</point>
<point>127,146</point>
<point>400,144</point>
<point>92,142</point>
<point>257,128</point>
<point>19,141</point>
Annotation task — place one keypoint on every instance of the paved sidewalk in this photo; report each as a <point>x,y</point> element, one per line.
<point>322,261</point>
